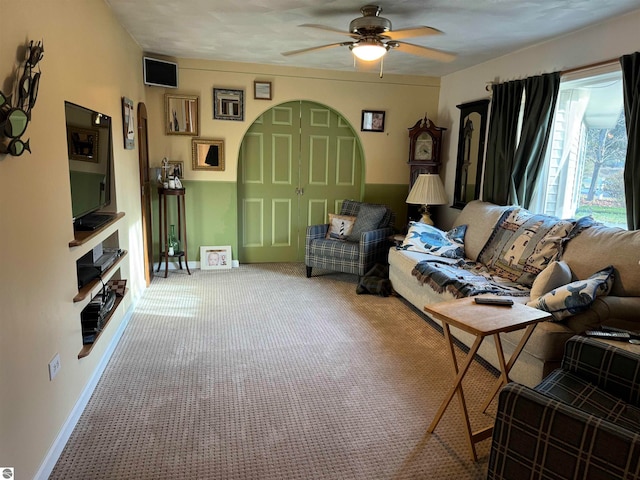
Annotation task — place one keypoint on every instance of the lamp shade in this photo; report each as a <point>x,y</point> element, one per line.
<point>368,50</point>
<point>428,190</point>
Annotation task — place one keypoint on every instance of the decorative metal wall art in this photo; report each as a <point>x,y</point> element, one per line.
<point>15,118</point>
<point>127,123</point>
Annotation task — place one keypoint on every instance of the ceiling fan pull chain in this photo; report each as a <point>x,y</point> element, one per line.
<point>381,66</point>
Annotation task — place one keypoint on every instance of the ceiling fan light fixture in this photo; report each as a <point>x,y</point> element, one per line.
<point>369,50</point>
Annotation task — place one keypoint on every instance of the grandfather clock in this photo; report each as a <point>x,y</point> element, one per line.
<point>425,140</point>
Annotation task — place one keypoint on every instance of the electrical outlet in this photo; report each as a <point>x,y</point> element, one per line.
<point>54,366</point>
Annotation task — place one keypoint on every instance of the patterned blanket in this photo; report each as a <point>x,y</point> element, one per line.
<point>376,282</point>
<point>465,279</point>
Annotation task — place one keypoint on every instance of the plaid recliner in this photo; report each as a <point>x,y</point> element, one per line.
<point>582,421</point>
<point>348,257</point>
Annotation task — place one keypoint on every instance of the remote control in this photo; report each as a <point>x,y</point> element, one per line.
<point>502,302</point>
<point>614,329</point>
<point>610,335</point>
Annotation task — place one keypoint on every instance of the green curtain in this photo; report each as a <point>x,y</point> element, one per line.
<point>502,141</point>
<point>541,94</point>
<point>631,84</point>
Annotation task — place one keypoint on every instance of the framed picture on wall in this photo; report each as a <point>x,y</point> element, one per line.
<point>262,90</point>
<point>372,121</point>
<point>228,104</point>
<point>127,123</point>
<point>208,154</point>
<point>215,258</point>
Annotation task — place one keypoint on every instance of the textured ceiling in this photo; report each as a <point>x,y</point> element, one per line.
<point>258,31</point>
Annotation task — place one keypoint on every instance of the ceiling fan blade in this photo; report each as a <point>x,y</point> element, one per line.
<point>411,32</point>
<point>425,52</point>
<point>312,49</point>
<point>329,29</point>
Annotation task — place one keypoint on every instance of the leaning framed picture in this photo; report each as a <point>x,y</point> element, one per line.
<point>207,154</point>
<point>228,104</point>
<point>181,114</point>
<point>215,258</point>
<point>372,121</point>
<point>82,144</point>
<point>175,169</point>
<point>127,123</point>
<point>262,90</point>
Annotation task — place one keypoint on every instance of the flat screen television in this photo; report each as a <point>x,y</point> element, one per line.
<point>89,146</point>
<point>160,73</point>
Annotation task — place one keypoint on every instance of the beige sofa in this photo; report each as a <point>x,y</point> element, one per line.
<point>593,249</point>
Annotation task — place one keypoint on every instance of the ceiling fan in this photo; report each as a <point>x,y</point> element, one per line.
<point>373,38</point>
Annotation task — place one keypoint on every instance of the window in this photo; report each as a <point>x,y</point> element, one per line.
<point>583,170</point>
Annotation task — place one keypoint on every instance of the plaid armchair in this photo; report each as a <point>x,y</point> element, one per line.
<point>348,257</point>
<point>582,421</point>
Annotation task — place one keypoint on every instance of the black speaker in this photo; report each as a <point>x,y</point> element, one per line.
<point>86,275</point>
<point>160,73</point>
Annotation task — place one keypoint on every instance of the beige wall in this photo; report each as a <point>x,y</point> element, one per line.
<point>405,100</point>
<point>608,40</point>
<point>89,60</point>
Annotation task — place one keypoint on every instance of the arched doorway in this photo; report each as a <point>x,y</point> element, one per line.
<point>298,161</point>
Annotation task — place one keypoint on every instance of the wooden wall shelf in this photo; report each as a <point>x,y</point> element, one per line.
<point>85,291</point>
<point>86,349</point>
<point>82,237</point>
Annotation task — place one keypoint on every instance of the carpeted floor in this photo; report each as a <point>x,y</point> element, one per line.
<point>261,373</point>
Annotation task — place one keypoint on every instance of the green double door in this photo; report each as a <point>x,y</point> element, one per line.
<point>298,161</point>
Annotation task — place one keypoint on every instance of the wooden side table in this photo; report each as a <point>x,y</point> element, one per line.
<point>163,238</point>
<point>481,321</point>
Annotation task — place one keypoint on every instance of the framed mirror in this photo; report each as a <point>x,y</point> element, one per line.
<point>471,139</point>
<point>181,114</point>
<point>207,154</point>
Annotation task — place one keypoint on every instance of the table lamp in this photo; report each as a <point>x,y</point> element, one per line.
<point>427,190</point>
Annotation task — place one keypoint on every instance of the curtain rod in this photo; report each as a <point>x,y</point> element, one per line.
<point>590,66</point>
<point>603,63</point>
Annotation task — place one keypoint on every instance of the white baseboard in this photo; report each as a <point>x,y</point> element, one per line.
<point>194,265</point>
<point>67,429</point>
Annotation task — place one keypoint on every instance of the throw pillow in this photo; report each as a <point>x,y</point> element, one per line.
<point>555,275</point>
<point>425,238</point>
<point>340,226</point>
<point>369,217</point>
<point>575,297</point>
<point>523,244</point>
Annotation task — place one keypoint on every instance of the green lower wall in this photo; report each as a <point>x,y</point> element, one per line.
<point>392,195</point>
<point>212,213</point>
<point>211,216</point>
